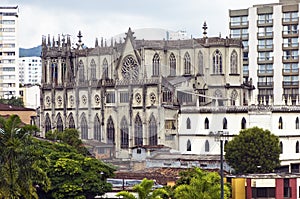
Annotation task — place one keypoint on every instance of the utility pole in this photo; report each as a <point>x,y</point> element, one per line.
<point>221,136</point>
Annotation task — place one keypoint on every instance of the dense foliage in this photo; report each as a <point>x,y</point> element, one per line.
<point>32,168</point>
<point>21,162</point>
<point>254,150</point>
<point>12,101</point>
<point>195,183</point>
<point>74,175</point>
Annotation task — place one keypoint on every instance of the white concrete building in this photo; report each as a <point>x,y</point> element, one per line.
<point>31,96</point>
<point>270,34</point>
<point>9,52</point>
<point>198,126</point>
<point>30,70</point>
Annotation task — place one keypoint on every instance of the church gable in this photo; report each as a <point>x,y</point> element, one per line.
<point>129,65</point>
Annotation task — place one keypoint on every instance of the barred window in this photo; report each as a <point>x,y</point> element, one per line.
<point>110,97</point>
<point>124,97</point>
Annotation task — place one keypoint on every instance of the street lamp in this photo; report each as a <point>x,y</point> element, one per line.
<point>221,136</point>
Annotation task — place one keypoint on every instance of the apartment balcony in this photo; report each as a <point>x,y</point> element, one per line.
<point>264,35</point>
<point>269,73</point>
<point>290,84</point>
<point>290,21</point>
<point>265,60</point>
<point>290,46</point>
<point>265,84</point>
<point>294,71</point>
<point>245,73</point>
<point>290,33</point>
<point>264,48</point>
<point>244,36</point>
<point>290,59</point>
<point>265,22</point>
<point>238,25</point>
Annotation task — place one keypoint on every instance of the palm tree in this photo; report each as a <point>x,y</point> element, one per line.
<point>200,185</point>
<point>19,160</point>
<point>144,190</point>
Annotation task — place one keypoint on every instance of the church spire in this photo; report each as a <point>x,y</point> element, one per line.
<point>79,44</point>
<point>204,30</point>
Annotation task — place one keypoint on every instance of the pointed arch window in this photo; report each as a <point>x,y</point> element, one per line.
<point>281,147</point>
<point>71,122</point>
<point>297,123</point>
<point>234,95</point>
<point>124,134</point>
<point>206,123</point>
<point>200,66</point>
<point>224,123</point>
<point>243,123</point>
<point>81,71</point>
<point>280,123</point>
<point>47,123</point>
<point>105,69</point>
<point>84,128</point>
<point>110,129</point>
<point>172,65</point>
<point>206,146</point>
<point>187,64</point>
<point>97,128</point>
<point>59,125</point>
<point>189,146</point>
<point>233,62</point>
<point>297,147</point>
<point>152,131</point>
<point>138,131</point>
<point>188,123</point>
<point>93,70</point>
<point>155,65</point>
<point>54,72</point>
<point>217,62</point>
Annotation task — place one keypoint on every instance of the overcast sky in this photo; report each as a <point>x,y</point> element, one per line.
<point>107,18</point>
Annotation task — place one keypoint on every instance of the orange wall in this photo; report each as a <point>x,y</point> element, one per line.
<point>238,188</point>
<point>24,115</point>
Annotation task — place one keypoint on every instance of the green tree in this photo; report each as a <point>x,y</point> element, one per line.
<point>74,175</point>
<point>68,136</point>
<point>144,191</point>
<point>20,160</point>
<point>199,184</point>
<point>254,150</point>
<point>12,101</point>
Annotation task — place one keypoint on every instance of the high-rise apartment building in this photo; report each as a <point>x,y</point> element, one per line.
<point>270,35</point>
<point>30,70</point>
<point>9,52</point>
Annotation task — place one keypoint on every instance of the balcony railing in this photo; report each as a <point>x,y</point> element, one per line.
<point>291,71</point>
<point>293,58</point>
<point>265,34</point>
<point>265,47</point>
<point>264,22</point>
<point>246,72</point>
<point>264,59</point>
<point>290,20</point>
<point>290,33</point>
<point>268,72</point>
<point>239,23</point>
<point>290,83</point>
<point>265,84</point>
<point>290,45</point>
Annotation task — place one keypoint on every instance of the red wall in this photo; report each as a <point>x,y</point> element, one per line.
<point>249,189</point>
<point>293,185</point>
<point>279,188</point>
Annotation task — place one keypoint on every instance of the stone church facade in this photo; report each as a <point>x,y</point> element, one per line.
<point>130,93</point>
